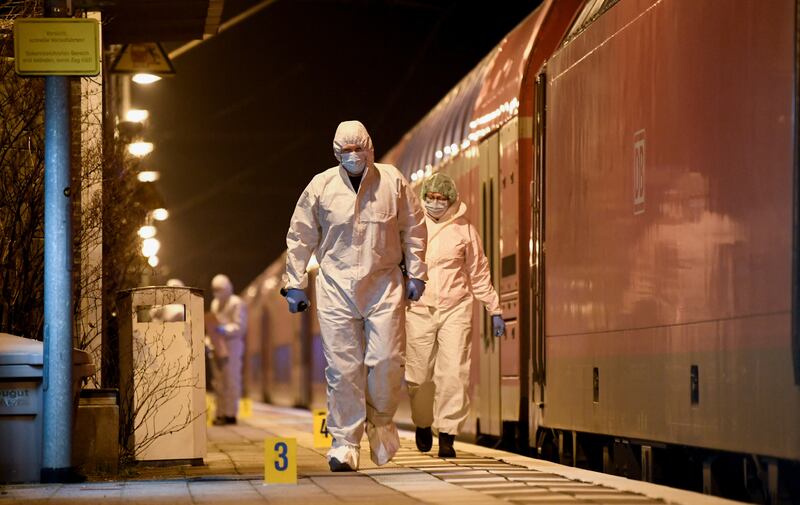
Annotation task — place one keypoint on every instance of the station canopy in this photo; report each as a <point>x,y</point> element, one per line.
<point>132,21</point>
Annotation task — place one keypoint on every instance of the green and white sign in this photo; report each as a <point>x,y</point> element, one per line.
<point>57,46</point>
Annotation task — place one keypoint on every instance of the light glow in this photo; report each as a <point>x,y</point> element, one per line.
<point>147,231</point>
<point>137,115</point>
<point>150,247</point>
<point>145,78</point>
<point>152,261</point>
<point>161,214</point>
<point>140,149</point>
<point>148,176</point>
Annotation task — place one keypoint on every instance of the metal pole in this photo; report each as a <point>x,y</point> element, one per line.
<point>57,420</point>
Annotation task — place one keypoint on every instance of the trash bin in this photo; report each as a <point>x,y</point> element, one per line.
<point>21,399</point>
<point>162,374</point>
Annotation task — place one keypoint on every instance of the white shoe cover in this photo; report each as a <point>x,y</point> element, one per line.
<point>384,441</point>
<point>345,454</point>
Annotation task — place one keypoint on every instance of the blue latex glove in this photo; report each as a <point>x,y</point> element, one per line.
<point>298,300</point>
<point>498,326</point>
<point>415,288</point>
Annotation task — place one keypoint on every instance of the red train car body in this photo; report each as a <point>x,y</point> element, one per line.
<point>632,168</point>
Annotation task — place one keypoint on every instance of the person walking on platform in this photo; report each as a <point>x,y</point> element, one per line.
<point>362,221</point>
<point>439,325</point>
<point>227,335</point>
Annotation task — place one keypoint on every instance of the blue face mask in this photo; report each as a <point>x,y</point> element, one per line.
<point>354,162</point>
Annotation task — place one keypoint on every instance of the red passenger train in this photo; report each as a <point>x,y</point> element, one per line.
<point>632,168</point>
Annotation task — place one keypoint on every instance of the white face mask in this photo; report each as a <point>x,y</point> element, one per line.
<point>354,162</point>
<point>436,208</point>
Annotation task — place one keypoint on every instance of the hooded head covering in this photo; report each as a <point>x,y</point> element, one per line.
<point>440,183</point>
<point>222,287</point>
<point>353,132</point>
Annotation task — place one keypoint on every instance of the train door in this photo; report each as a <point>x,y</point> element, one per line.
<point>489,391</point>
<point>507,258</point>
<point>537,268</point>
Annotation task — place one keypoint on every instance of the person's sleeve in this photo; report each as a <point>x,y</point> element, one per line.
<point>413,233</point>
<point>479,274</point>
<point>238,326</point>
<point>302,238</point>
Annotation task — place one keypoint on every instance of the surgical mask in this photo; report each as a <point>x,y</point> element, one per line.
<point>354,162</point>
<point>436,208</point>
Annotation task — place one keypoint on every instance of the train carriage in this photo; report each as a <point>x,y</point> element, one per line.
<point>631,167</point>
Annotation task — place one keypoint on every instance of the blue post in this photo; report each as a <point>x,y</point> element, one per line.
<point>57,421</point>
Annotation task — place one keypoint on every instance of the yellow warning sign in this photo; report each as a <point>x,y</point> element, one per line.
<point>44,46</point>
<point>145,58</point>
<point>322,438</point>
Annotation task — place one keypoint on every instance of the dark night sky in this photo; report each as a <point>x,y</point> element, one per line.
<point>249,118</point>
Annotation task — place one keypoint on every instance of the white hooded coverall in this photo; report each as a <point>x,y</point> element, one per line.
<point>438,326</point>
<point>360,239</point>
<point>231,313</point>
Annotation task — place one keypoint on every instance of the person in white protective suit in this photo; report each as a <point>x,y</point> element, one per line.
<point>230,314</point>
<point>362,220</point>
<point>438,326</point>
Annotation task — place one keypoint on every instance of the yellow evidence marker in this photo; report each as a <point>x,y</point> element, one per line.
<point>245,408</point>
<point>211,409</point>
<point>322,439</point>
<point>280,460</point>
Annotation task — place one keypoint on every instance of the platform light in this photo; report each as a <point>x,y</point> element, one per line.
<point>137,115</point>
<point>150,247</point>
<point>439,155</point>
<point>269,284</point>
<point>153,261</point>
<point>160,214</point>
<point>140,149</point>
<point>413,177</point>
<point>145,78</point>
<point>147,231</point>
<point>148,176</point>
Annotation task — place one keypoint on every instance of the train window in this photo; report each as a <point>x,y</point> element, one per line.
<point>592,10</point>
<point>509,265</point>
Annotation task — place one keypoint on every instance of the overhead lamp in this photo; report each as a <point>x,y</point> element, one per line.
<point>160,214</point>
<point>147,231</point>
<point>145,78</point>
<point>152,261</point>
<point>140,149</point>
<point>150,247</point>
<point>148,176</point>
<point>137,115</point>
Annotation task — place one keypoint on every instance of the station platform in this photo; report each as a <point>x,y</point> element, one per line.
<point>234,471</point>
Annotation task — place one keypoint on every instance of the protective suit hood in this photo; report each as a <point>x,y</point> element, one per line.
<point>353,132</point>
<point>222,287</point>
